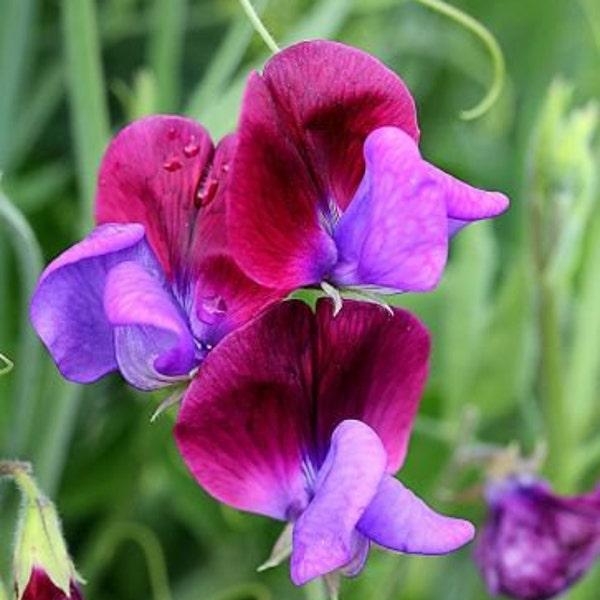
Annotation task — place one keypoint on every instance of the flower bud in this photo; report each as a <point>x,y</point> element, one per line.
<point>535,543</point>
<point>42,567</point>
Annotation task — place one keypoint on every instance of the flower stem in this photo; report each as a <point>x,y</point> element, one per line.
<point>316,590</point>
<point>147,541</point>
<point>259,26</point>
<point>86,94</point>
<point>490,42</point>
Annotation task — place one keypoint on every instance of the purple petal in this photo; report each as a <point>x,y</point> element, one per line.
<point>394,234</point>
<point>347,482</point>
<point>67,309</point>
<point>536,544</point>
<point>154,345</point>
<point>399,520</point>
<point>360,553</point>
<point>149,175</point>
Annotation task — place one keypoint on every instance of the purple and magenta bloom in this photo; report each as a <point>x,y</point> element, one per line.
<point>154,287</point>
<point>41,587</point>
<point>328,184</point>
<point>306,417</point>
<point>535,543</point>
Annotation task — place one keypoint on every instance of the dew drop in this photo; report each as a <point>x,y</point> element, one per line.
<point>171,133</point>
<point>172,164</point>
<point>206,192</point>
<point>191,150</point>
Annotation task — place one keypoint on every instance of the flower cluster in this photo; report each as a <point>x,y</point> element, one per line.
<point>301,415</point>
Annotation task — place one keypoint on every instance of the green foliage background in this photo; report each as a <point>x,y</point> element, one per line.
<point>515,322</point>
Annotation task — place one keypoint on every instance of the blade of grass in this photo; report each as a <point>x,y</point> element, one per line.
<point>223,63</point>
<point>87,96</point>
<point>166,50</point>
<point>16,20</point>
<point>43,104</point>
<point>27,359</point>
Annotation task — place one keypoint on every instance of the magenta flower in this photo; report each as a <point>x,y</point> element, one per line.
<point>328,184</point>
<point>153,288</point>
<point>40,587</point>
<point>305,417</point>
<point>536,544</point>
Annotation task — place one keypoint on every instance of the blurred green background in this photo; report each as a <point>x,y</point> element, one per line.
<point>516,321</point>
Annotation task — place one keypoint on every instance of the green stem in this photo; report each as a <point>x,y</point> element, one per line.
<point>491,44</point>
<point>552,386</point>
<point>16,19</point>
<point>29,257</point>
<point>145,539</point>
<point>87,96</point>
<point>551,361</point>
<point>315,590</point>
<point>584,364</point>
<point>52,448</point>
<point>259,26</point>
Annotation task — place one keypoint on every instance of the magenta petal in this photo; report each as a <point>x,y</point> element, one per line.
<point>332,96</point>
<point>247,424</point>
<point>226,299</point>
<point>273,202</point>
<point>372,367</point>
<point>149,175</point>
<point>394,234</point>
<point>244,423</point>
<point>399,520</point>
<point>41,587</point>
<point>67,309</point>
<point>153,342</point>
<point>347,482</point>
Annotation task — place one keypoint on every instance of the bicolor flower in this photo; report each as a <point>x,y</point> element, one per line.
<point>535,543</point>
<point>312,429</point>
<point>153,288</point>
<point>328,182</point>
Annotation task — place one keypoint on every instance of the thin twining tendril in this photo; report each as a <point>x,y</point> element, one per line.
<point>259,26</point>
<point>490,43</point>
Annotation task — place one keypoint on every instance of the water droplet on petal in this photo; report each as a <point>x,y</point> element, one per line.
<point>172,164</point>
<point>206,192</point>
<point>191,149</point>
<point>171,133</point>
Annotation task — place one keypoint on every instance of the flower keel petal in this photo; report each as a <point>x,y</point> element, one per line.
<point>153,342</point>
<point>323,535</point>
<point>399,520</point>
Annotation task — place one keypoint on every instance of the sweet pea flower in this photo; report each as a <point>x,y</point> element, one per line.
<point>305,417</point>
<point>536,544</point>
<point>153,288</point>
<point>328,184</point>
